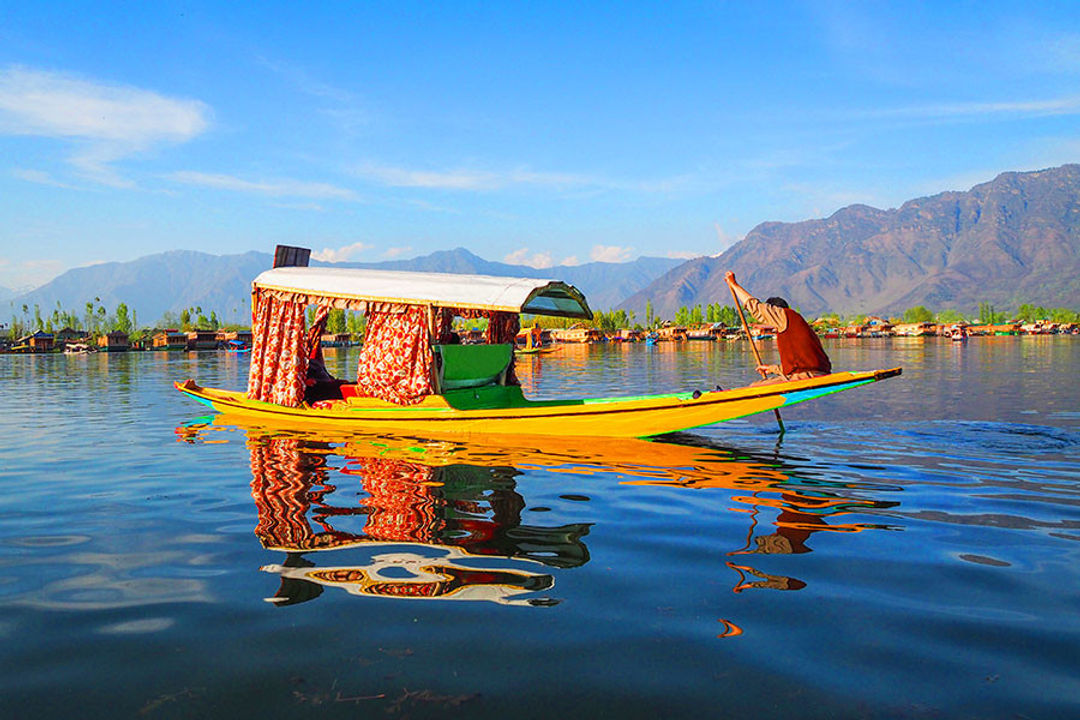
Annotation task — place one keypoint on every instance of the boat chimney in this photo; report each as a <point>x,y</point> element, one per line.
<point>288,256</point>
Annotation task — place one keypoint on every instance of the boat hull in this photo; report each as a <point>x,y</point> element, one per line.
<point>641,416</point>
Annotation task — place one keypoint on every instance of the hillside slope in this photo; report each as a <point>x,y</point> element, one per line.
<point>1011,240</point>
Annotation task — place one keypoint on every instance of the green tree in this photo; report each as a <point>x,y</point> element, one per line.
<point>950,317</point>
<point>696,316</point>
<point>1064,315</point>
<point>335,321</point>
<point>729,316</point>
<point>918,314</point>
<point>185,319</point>
<point>122,321</point>
<point>355,324</point>
<point>648,314</point>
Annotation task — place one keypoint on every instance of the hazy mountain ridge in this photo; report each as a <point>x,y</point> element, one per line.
<point>171,281</point>
<point>1013,239</point>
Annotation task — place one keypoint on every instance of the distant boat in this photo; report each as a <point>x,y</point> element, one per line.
<point>235,346</point>
<point>956,333</point>
<point>78,349</point>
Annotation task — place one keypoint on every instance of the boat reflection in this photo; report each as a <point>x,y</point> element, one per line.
<point>429,530</point>
<point>445,516</point>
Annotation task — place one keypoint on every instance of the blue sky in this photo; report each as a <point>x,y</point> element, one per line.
<point>539,133</point>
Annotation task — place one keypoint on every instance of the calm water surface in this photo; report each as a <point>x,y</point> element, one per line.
<point>909,549</point>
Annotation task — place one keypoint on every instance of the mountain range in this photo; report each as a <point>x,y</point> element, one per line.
<point>171,281</point>
<point>1011,240</point>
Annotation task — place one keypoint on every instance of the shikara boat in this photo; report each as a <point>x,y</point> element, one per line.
<point>410,382</point>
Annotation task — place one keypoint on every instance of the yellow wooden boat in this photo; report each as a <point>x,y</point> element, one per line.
<point>472,390</point>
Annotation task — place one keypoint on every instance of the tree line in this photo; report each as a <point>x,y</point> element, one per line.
<point>96,319</point>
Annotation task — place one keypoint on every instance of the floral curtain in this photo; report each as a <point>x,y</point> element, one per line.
<point>395,362</point>
<point>502,327</point>
<point>279,352</point>
<point>314,333</point>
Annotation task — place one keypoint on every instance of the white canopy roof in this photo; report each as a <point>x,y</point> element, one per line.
<point>482,292</point>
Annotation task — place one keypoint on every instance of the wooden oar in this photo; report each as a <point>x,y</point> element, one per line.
<point>757,355</point>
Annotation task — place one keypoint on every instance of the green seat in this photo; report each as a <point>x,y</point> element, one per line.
<point>466,366</point>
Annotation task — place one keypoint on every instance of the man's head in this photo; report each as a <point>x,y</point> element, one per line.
<point>777,301</point>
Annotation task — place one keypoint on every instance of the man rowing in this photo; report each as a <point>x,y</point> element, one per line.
<point>801,354</point>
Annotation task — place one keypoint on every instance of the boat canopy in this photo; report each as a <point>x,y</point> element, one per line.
<point>354,288</point>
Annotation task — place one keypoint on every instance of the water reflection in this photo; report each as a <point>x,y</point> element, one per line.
<point>432,525</point>
<point>426,511</point>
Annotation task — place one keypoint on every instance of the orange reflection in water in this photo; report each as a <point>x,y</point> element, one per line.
<point>440,504</point>
<point>430,518</point>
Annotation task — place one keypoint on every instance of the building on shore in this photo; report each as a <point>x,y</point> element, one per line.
<point>671,333</point>
<point>169,339</point>
<point>578,334</point>
<point>234,336</point>
<point>917,329</point>
<point>202,340</point>
<point>38,342</point>
<point>69,335</point>
<point>115,341</point>
<point>334,339</point>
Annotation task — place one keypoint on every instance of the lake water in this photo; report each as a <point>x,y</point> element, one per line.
<point>907,550</point>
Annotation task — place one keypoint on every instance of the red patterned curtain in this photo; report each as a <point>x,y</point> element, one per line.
<point>502,327</point>
<point>395,362</point>
<point>279,353</point>
<point>314,333</point>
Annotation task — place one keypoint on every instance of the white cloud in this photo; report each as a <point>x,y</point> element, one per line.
<point>342,254</point>
<point>1068,105</point>
<point>345,108</point>
<point>276,188</point>
<point>40,177</point>
<point>571,260</point>
<point>682,254</point>
<point>396,252</point>
<point>610,253</point>
<point>29,274</point>
<point>108,122</point>
<point>724,239</point>
<point>464,179</point>
<point>524,256</point>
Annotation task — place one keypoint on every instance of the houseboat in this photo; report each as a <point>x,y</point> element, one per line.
<point>169,340</point>
<point>671,333</point>
<point>37,343</point>
<point>578,333</point>
<point>918,329</point>
<point>202,340</point>
<point>707,333</point>
<point>115,341</point>
<point>629,335</point>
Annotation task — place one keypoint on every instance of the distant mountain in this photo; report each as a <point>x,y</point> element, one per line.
<point>604,284</point>
<point>1011,240</point>
<point>6,294</point>
<point>171,281</point>
<point>153,284</point>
